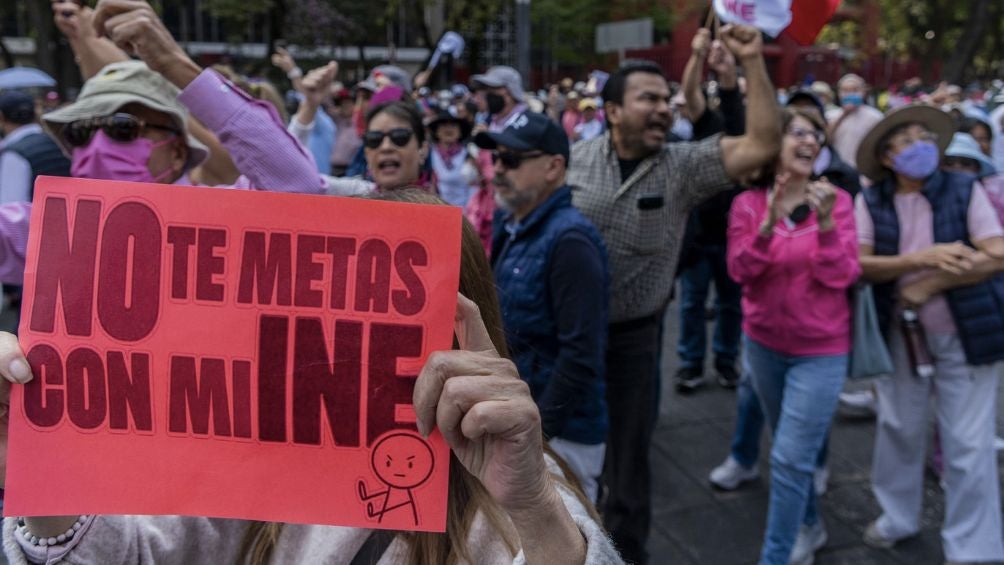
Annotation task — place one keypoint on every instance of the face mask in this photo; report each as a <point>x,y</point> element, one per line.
<point>495,102</point>
<point>105,159</point>
<point>683,128</point>
<point>852,100</point>
<point>918,161</point>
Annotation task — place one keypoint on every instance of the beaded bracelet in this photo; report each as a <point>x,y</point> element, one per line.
<point>22,528</point>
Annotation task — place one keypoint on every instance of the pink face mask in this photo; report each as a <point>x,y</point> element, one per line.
<point>106,159</point>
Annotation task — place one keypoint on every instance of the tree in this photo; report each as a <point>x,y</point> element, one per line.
<point>965,35</point>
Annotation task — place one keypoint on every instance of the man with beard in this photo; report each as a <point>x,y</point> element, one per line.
<point>551,274</point>
<point>638,191</point>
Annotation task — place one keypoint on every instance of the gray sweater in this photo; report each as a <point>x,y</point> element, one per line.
<point>183,540</point>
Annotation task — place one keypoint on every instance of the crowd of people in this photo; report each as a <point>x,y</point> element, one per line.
<point>584,204</point>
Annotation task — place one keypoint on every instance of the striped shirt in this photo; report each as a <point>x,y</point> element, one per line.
<point>642,219</point>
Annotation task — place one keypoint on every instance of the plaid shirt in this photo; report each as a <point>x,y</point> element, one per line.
<point>642,232</point>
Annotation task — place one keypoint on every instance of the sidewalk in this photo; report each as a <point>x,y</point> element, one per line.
<point>694,524</point>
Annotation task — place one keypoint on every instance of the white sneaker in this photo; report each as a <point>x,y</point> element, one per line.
<point>875,538</point>
<point>810,540</point>
<point>821,480</point>
<point>730,474</point>
<point>859,403</point>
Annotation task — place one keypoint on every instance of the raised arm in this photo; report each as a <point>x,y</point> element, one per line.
<point>692,74</point>
<point>90,51</point>
<point>251,131</point>
<point>760,144</point>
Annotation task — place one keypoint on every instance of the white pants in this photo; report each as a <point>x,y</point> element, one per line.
<point>586,461</point>
<point>965,400</point>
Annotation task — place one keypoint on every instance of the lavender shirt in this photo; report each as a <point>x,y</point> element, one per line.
<point>240,122</point>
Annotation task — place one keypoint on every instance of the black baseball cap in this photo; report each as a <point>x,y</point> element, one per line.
<point>528,132</point>
<point>17,107</point>
<point>807,96</point>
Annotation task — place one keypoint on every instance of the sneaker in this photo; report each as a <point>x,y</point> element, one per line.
<point>874,538</point>
<point>821,480</point>
<point>730,474</point>
<point>727,376</point>
<point>810,540</point>
<point>860,404</point>
<point>689,379</point>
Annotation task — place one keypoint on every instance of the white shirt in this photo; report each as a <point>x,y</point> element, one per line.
<point>15,170</point>
<point>852,132</point>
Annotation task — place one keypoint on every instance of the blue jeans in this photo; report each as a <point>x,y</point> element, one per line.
<point>745,448</point>
<point>799,396</point>
<point>694,283</point>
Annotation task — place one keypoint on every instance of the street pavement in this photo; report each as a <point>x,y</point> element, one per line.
<point>695,524</point>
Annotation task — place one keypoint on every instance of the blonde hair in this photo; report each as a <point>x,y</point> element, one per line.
<point>467,496</point>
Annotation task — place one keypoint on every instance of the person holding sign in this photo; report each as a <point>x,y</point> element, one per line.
<point>508,501</point>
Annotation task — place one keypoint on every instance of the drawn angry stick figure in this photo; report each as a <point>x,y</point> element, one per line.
<point>401,461</point>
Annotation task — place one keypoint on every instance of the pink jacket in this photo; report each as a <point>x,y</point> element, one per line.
<point>795,281</point>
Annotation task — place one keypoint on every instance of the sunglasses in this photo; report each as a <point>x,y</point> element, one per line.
<point>512,160</point>
<point>398,136</point>
<point>119,127</point>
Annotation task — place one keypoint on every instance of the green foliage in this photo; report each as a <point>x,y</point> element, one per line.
<point>570,27</point>
<point>930,31</point>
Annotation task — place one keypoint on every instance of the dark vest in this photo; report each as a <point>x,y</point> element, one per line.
<point>978,310</point>
<point>43,155</point>
<point>521,264</point>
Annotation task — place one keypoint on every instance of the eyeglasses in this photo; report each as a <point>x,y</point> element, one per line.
<point>801,133</point>
<point>119,127</point>
<point>398,136</point>
<point>512,160</point>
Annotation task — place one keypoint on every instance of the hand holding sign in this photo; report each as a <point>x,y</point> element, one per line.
<point>14,369</point>
<point>488,418</point>
<point>701,42</point>
<point>743,41</point>
<point>485,413</point>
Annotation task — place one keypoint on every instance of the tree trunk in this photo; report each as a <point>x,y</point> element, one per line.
<point>40,16</point>
<point>966,48</point>
<point>8,59</point>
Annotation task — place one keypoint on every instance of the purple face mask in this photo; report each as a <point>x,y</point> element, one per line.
<point>106,159</point>
<point>918,161</point>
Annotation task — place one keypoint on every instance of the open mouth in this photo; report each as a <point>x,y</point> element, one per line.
<point>657,126</point>
<point>388,166</point>
<point>806,155</point>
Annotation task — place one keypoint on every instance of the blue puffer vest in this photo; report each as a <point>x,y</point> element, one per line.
<point>520,261</point>
<point>43,155</point>
<point>978,310</point>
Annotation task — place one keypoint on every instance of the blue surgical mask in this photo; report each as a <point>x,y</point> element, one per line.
<point>853,99</point>
<point>918,161</point>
